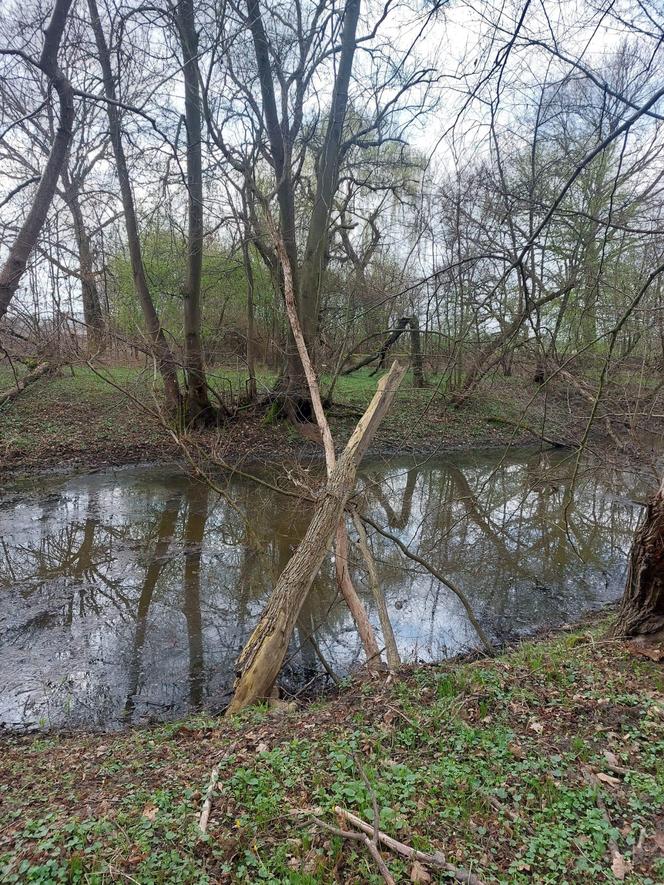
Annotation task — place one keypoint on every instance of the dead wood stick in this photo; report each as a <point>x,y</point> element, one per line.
<point>207,804</point>
<point>32,376</point>
<point>209,793</point>
<point>354,836</point>
<point>437,859</point>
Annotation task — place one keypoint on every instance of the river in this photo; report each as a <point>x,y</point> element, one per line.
<point>127,595</point>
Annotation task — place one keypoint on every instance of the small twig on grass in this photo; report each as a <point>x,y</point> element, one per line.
<point>364,840</point>
<point>207,804</point>
<point>437,859</point>
<point>209,793</point>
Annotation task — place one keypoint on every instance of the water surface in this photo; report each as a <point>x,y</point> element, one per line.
<point>127,595</point>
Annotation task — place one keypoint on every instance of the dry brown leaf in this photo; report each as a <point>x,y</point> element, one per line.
<point>619,866</point>
<point>419,874</point>
<point>150,811</point>
<point>516,750</point>
<point>658,839</point>
<point>611,758</point>
<point>653,651</point>
<point>536,726</point>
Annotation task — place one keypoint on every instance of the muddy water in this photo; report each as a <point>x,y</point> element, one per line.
<point>126,596</point>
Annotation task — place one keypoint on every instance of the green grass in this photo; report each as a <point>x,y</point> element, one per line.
<point>78,418</point>
<point>485,761</point>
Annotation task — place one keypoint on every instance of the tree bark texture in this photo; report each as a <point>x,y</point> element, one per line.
<point>641,610</point>
<point>199,410</point>
<point>14,267</point>
<point>166,362</point>
<point>263,655</point>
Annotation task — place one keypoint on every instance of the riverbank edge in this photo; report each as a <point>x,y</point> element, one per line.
<point>83,423</point>
<point>527,766</point>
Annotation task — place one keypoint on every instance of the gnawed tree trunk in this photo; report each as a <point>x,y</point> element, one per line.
<point>162,350</point>
<point>263,655</point>
<point>641,610</point>
<point>26,240</point>
<point>344,581</point>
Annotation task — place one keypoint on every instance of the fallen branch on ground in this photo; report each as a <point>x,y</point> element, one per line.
<point>364,840</point>
<point>437,859</point>
<point>32,376</point>
<point>209,794</point>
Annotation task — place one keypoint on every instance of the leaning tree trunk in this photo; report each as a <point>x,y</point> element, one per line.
<point>17,259</point>
<point>641,610</point>
<point>92,310</point>
<point>263,655</point>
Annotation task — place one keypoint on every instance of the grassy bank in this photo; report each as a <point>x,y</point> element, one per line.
<point>543,765</point>
<point>78,419</point>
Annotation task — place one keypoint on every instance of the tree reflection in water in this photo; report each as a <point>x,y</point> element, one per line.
<point>129,595</point>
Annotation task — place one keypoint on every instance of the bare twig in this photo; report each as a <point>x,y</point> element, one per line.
<point>437,859</point>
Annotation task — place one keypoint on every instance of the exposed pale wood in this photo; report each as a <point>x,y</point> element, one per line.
<point>263,655</point>
<point>349,593</point>
<point>436,859</point>
<point>344,581</point>
<point>209,794</point>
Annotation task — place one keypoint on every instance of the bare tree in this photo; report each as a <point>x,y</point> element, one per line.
<point>15,264</point>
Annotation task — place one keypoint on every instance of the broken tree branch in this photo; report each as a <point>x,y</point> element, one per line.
<point>437,859</point>
<point>263,655</point>
<point>391,649</point>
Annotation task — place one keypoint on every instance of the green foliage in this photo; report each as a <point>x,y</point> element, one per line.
<point>223,288</point>
<point>483,760</point>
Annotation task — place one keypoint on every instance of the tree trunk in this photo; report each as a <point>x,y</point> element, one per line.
<point>327,181</point>
<point>14,267</point>
<point>307,277</point>
<point>251,325</point>
<point>166,362</point>
<point>199,410</point>
<point>263,655</point>
<point>92,311</point>
<point>416,353</point>
<point>27,379</point>
<point>641,610</point>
